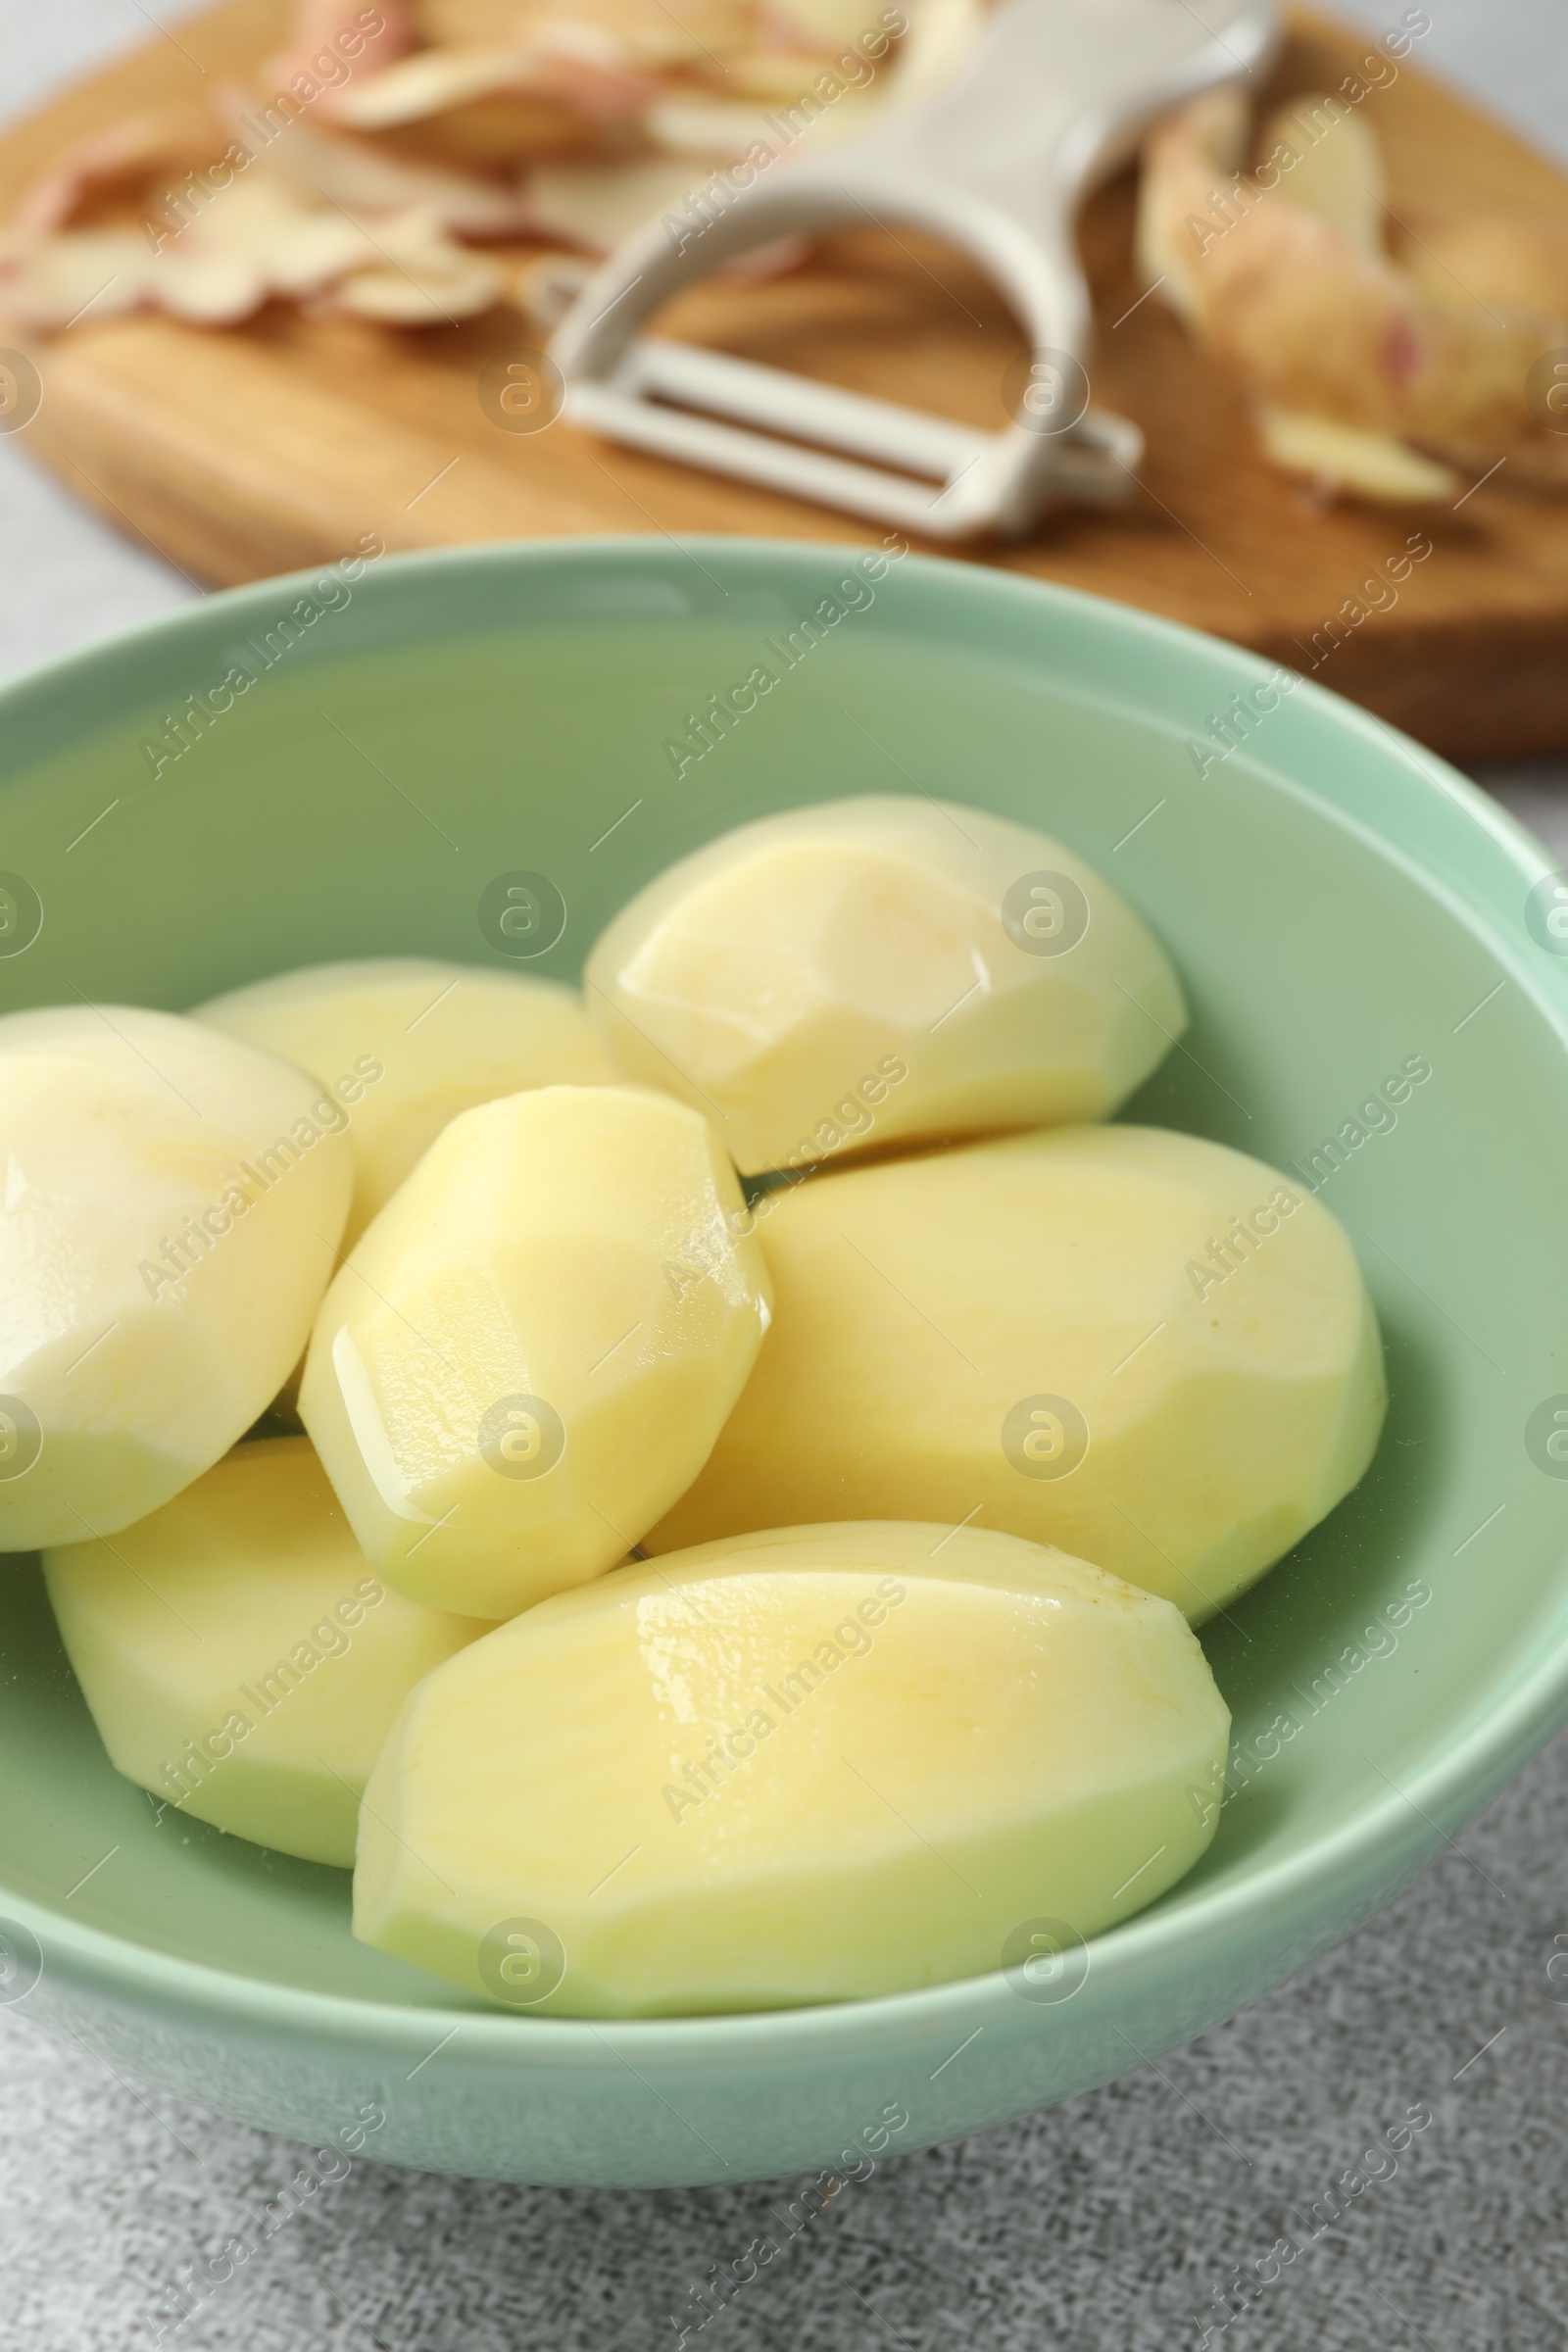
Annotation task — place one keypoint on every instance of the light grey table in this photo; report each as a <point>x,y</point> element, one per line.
<point>1102,2226</point>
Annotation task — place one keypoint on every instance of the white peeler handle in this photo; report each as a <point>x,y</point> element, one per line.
<point>1054,95</point>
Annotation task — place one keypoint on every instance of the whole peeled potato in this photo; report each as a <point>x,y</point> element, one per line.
<point>1140,1345</point>
<point>880,968</point>
<point>171,1205</point>
<point>528,1355</point>
<point>812,1765</point>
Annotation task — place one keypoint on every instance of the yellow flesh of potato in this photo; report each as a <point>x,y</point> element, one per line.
<point>1042,1335</point>
<point>1330,160</point>
<point>405,1043</point>
<point>879,968</point>
<point>169,1213</point>
<point>529,1355</point>
<point>1374,465</point>
<point>809,1766</point>
<point>240,1657</point>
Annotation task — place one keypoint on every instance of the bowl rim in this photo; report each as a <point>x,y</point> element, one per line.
<point>1478,1756</point>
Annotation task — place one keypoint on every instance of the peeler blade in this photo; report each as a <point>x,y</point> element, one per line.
<point>898,465</point>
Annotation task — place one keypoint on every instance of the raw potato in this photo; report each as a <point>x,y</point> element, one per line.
<point>407,1043</point>
<point>240,1658</point>
<point>1042,1335</point>
<point>169,1212</point>
<point>530,1352</point>
<point>878,968</point>
<point>812,1765</point>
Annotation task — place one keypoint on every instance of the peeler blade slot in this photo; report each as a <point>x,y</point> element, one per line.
<point>799,408</point>
<point>786,466</point>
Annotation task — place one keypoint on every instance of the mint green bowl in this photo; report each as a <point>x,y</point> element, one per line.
<point>1339,905</point>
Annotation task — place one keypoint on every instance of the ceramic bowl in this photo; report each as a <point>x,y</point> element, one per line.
<point>359,763</point>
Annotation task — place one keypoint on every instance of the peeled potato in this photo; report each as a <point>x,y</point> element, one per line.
<point>171,1205</point>
<point>240,1658</point>
<point>878,968</point>
<point>812,1765</point>
<point>529,1355</point>
<point>406,1043</point>
<point>1138,1345</point>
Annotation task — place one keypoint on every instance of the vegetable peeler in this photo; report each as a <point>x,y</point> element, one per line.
<point>1053,97</point>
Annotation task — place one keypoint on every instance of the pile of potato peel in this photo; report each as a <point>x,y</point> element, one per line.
<point>1381,353</point>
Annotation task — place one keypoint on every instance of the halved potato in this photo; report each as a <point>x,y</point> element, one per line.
<point>1149,1349</point>
<point>530,1352</point>
<point>406,1043</point>
<point>877,969</point>
<point>240,1657</point>
<point>812,1765</point>
<point>169,1218</point>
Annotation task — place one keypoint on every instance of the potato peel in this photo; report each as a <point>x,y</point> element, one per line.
<point>1361,373</point>
<point>315,214</point>
<point>337,190</point>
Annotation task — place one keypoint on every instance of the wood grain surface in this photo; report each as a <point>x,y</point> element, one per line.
<point>247,451</point>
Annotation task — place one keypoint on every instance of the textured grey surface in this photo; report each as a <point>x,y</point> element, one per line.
<point>1103,2225</point>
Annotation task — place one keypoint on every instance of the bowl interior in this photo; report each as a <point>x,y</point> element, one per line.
<point>1338,916</point>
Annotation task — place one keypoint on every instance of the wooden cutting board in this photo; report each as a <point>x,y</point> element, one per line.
<point>255,449</point>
